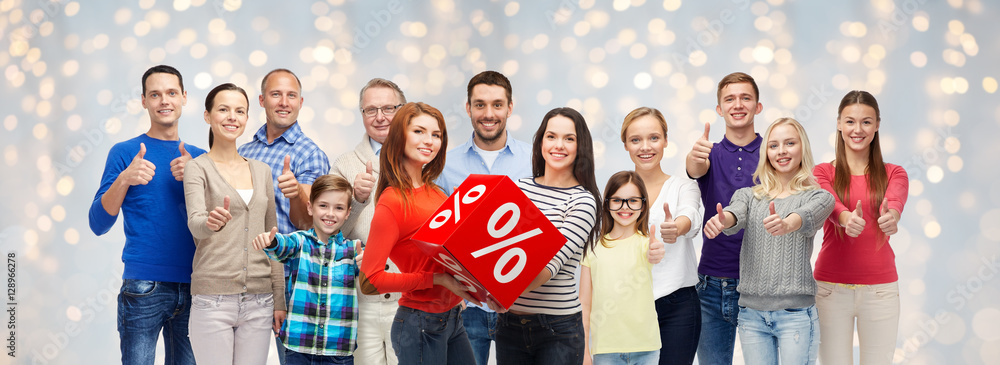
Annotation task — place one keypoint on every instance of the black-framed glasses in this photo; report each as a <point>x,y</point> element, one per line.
<point>632,203</point>
<point>387,110</point>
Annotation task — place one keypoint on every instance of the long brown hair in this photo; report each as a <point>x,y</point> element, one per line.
<point>616,181</point>
<point>393,156</point>
<point>875,174</point>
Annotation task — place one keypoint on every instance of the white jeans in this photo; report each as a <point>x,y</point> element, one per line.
<point>374,328</point>
<point>231,329</point>
<point>876,310</point>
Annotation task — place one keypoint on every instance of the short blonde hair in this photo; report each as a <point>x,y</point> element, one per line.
<point>766,178</point>
<point>642,112</point>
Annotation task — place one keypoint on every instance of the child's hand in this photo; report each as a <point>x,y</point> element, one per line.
<point>219,216</point>
<point>264,239</point>
<point>774,224</point>
<point>855,224</point>
<point>656,248</point>
<point>715,225</point>
<point>359,252</point>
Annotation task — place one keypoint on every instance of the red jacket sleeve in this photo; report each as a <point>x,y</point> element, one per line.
<point>898,189</point>
<point>381,240</point>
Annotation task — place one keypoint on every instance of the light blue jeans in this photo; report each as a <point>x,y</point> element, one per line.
<point>719,314</point>
<point>788,335</point>
<point>628,358</point>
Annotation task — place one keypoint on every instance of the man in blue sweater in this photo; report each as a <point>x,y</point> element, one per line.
<point>156,284</point>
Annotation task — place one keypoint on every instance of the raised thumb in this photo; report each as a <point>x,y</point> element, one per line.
<point>274,231</point>
<point>184,151</point>
<point>708,127</point>
<point>858,210</point>
<point>666,212</point>
<point>718,208</point>
<point>288,164</point>
<point>225,203</point>
<point>652,230</point>
<point>884,208</point>
<point>142,151</point>
<point>770,208</point>
<point>368,168</point>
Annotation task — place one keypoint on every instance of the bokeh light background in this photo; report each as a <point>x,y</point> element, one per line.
<point>71,87</point>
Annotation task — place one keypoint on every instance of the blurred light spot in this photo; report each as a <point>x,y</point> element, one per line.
<point>671,5</point>
<point>146,4</point>
<point>122,16</point>
<point>232,5</point>
<point>141,28</point>
<point>44,223</point>
<point>65,186</point>
<point>918,59</point>
<point>643,80</point>
<point>763,23</point>
<point>596,55</point>
<point>323,54</point>
<point>620,5</point>
<point>678,80</point>
<point>841,81</point>
<point>581,28</point>
<point>40,131</point>
<point>955,163</point>
<point>920,23</point>
<point>10,155</point>
<point>44,108</point>
<point>411,54</point>
<point>707,116</point>
<point>202,80</point>
<point>851,54</point>
<point>626,36</point>
<point>510,67</point>
<point>182,5</point>
<point>935,174</point>
<point>73,313</point>
<point>990,84</point>
<point>30,237</point>
<point>599,79</point>
<point>128,44</point>
<point>705,85</point>
<point>917,188</point>
<point>956,27</point>
<point>198,50</point>
<point>544,97</point>
<point>71,236</point>
<point>778,81</point>
<point>984,324</point>
<point>113,125</point>
<point>58,213</point>
<point>947,85</point>
<point>789,99</point>
<point>511,8</point>
<point>923,207</point>
<point>951,117</point>
<point>323,24</point>
<point>258,58</point>
<point>961,85</point>
<point>637,51</point>
<point>932,229</point>
<point>70,68</point>
<point>662,68</point>
<point>656,25</point>
<point>953,57</point>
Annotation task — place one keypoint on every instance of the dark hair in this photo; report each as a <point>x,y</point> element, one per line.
<point>210,101</point>
<point>263,82</point>
<point>161,69</point>
<point>380,82</point>
<point>330,182</point>
<point>876,176</point>
<point>391,159</point>
<point>616,181</point>
<point>736,78</point>
<point>583,164</point>
<point>490,78</point>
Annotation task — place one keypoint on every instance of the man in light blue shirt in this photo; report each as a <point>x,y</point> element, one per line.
<point>490,151</point>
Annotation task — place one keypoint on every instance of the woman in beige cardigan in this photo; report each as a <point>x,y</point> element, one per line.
<point>236,291</point>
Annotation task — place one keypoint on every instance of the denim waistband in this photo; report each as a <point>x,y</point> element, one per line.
<point>717,281</point>
<point>454,311</point>
<point>540,320</point>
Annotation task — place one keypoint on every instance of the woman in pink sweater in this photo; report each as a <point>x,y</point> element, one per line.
<point>856,269</point>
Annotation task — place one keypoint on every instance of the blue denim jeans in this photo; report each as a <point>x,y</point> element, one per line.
<point>144,309</point>
<point>791,335</point>
<point>482,328</point>
<point>298,358</point>
<point>539,339</point>
<point>420,337</point>
<point>628,358</point>
<point>719,315</point>
<point>679,315</point>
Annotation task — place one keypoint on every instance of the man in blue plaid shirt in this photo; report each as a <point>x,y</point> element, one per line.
<point>295,160</point>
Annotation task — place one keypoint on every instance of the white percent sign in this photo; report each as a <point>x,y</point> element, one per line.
<point>522,257</point>
<point>442,217</point>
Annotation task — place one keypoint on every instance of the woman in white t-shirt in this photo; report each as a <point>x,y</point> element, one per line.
<point>676,208</point>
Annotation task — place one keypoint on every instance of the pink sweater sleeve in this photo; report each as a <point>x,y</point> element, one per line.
<point>898,189</point>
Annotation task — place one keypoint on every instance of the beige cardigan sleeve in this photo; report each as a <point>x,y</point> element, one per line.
<point>194,199</point>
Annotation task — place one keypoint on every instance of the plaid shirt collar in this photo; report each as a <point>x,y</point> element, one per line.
<point>291,135</point>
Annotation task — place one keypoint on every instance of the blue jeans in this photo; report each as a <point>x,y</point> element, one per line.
<point>298,358</point>
<point>482,328</point>
<point>628,358</point>
<point>540,339</point>
<point>420,337</point>
<point>791,335</point>
<point>146,307</point>
<point>719,315</point>
<point>679,315</point>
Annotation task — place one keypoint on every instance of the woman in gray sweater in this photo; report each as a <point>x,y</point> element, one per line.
<point>780,216</point>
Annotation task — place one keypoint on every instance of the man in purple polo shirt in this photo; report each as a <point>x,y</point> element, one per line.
<point>720,170</point>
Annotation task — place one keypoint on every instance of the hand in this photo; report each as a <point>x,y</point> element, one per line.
<point>774,224</point>
<point>702,147</point>
<point>359,253</point>
<point>363,183</point>
<point>452,284</point>
<point>219,216</point>
<point>887,221</point>
<point>177,165</point>
<point>493,305</point>
<point>855,224</point>
<point>656,249</point>
<point>279,317</point>
<point>140,171</point>
<point>716,224</point>
<point>264,239</point>
<point>668,229</point>
<point>287,182</point>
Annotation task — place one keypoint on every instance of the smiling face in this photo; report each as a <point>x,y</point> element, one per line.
<point>627,196</point>
<point>559,144</point>
<point>377,126</point>
<point>164,99</point>
<point>489,109</point>
<point>738,105</point>
<point>281,100</point>
<point>228,116</point>
<point>329,211</point>
<point>784,150</point>
<point>857,125</point>
<point>423,140</point>
<point>645,141</point>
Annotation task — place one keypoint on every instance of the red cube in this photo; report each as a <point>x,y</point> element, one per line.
<point>491,237</point>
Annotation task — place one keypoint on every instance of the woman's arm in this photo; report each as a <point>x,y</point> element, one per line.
<point>195,183</point>
<point>579,220</point>
<point>689,214</point>
<point>377,249</point>
<point>586,299</point>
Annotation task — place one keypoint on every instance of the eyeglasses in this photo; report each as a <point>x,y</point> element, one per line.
<point>387,110</point>
<point>632,203</point>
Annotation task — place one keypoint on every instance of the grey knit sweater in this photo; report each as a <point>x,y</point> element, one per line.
<point>775,271</point>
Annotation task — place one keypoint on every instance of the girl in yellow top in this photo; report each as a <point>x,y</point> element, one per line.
<point>616,286</point>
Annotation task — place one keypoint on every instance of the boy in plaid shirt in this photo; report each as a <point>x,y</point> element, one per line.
<point>322,321</point>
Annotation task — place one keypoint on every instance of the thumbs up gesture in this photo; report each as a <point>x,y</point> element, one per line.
<point>668,229</point>
<point>717,223</point>
<point>140,171</point>
<point>287,183</point>
<point>702,147</point>
<point>855,223</point>
<point>656,248</point>
<point>219,216</point>
<point>887,220</point>
<point>177,165</point>
<point>363,183</point>
<point>774,224</point>
<point>263,240</point>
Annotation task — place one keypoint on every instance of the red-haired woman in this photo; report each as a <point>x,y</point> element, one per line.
<point>428,326</point>
<point>856,268</point>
